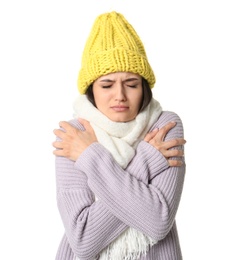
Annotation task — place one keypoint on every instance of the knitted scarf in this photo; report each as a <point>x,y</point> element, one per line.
<point>121,140</point>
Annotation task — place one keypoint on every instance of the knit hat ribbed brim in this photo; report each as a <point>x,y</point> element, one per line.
<point>113,46</point>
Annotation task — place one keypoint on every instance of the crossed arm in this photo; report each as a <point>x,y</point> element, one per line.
<point>139,197</point>
<point>74,141</point>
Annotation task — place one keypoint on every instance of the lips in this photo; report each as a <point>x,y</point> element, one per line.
<point>120,108</point>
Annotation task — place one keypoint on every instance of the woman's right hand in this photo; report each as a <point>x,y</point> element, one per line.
<point>156,138</point>
<point>73,141</point>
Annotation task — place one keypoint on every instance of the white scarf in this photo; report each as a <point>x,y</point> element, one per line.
<point>121,140</point>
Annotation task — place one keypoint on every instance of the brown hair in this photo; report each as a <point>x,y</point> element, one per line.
<point>146,98</point>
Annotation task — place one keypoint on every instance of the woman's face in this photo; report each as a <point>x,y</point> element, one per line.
<point>118,95</point>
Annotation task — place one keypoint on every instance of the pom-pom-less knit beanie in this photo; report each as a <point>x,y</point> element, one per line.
<point>113,46</point>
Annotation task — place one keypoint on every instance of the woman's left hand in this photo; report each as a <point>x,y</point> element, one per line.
<point>73,141</point>
<point>156,139</point>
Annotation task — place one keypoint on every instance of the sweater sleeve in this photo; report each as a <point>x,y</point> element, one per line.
<point>89,225</point>
<point>148,207</point>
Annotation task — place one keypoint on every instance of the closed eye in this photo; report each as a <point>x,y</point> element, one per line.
<point>132,86</point>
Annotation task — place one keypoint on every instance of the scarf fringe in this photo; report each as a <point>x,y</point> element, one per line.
<point>130,245</point>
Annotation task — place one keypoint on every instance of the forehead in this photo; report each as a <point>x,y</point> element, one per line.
<point>119,76</point>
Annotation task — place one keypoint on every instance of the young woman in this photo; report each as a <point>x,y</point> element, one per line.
<point>120,162</point>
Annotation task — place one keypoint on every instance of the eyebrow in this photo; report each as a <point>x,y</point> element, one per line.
<point>126,80</point>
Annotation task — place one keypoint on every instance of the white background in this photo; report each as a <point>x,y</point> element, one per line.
<point>189,45</point>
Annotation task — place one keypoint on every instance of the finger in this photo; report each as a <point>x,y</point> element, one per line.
<point>174,153</point>
<point>57,144</point>
<point>165,129</point>
<point>59,133</point>
<point>174,143</point>
<point>151,135</point>
<point>175,163</point>
<point>58,152</point>
<point>66,126</point>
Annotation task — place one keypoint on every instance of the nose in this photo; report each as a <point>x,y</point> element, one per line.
<point>120,93</point>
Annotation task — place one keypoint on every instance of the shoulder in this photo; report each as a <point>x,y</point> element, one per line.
<point>168,116</point>
<point>75,123</point>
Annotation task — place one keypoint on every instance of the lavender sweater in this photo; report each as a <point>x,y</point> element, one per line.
<point>145,196</point>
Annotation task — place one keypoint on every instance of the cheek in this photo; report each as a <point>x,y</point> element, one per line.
<point>98,104</point>
<point>138,100</point>
<point>101,102</point>
<point>97,97</point>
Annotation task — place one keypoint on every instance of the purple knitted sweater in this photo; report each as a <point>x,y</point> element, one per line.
<point>144,196</point>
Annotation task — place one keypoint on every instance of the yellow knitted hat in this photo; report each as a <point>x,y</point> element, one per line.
<point>113,46</point>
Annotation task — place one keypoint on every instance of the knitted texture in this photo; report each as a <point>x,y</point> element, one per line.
<point>145,196</point>
<point>113,46</point>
